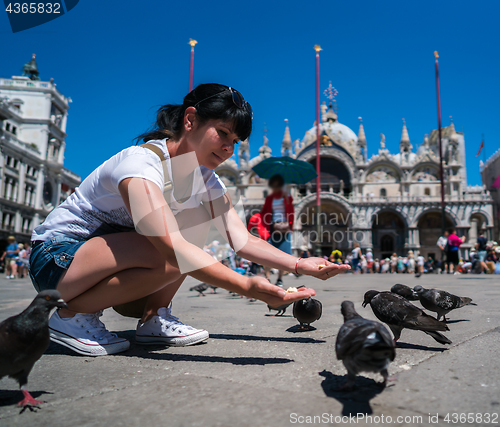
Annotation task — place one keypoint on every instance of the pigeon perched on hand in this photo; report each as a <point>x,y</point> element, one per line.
<point>363,345</point>
<point>441,302</point>
<point>24,338</point>
<point>280,310</point>
<point>399,313</point>
<point>307,311</point>
<point>202,287</point>
<point>405,292</point>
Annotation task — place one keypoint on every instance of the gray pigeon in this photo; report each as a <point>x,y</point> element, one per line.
<point>202,287</point>
<point>405,292</point>
<point>399,313</point>
<point>441,302</point>
<point>306,311</point>
<point>280,310</point>
<point>23,340</point>
<point>363,345</point>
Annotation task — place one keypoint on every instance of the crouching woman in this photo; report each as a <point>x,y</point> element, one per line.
<point>135,227</point>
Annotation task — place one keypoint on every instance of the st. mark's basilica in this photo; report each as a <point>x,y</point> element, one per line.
<point>390,202</point>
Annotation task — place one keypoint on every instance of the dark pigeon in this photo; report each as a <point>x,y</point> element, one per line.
<point>363,345</point>
<point>280,310</point>
<point>202,287</point>
<point>399,313</point>
<point>23,340</point>
<point>307,311</point>
<point>214,288</point>
<point>405,292</point>
<point>441,302</point>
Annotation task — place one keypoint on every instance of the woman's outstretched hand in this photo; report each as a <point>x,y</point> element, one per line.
<point>261,289</point>
<point>320,268</point>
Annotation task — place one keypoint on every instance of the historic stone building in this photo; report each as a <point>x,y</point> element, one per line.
<point>389,202</point>
<point>33,179</point>
<point>490,171</point>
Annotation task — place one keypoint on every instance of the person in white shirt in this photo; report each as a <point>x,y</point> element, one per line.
<point>136,227</point>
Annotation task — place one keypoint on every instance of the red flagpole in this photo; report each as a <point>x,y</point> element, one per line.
<point>317,48</point>
<point>191,68</point>
<point>441,174</point>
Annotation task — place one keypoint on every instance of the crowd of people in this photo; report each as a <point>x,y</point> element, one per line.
<point>15,259</point>
<point>484,258</point>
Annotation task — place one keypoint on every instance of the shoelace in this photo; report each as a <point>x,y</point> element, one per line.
<point>172,322</point>
<point>96,327</point>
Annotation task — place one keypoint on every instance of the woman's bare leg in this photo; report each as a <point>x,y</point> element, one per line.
<point>161,298</point>
<point>113,269</point>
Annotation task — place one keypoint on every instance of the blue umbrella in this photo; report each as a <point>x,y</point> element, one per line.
<point>293,171</point>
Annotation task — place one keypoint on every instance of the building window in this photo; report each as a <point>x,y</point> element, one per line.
<point>383,192</point>
<point>26,225</point>
<point>47,193</point>
<point>10,188</point>
<point>427,191</point>
<point>14,130</point>
<point>29,195</point>
<point>7,127</point>
<point>8,219</point>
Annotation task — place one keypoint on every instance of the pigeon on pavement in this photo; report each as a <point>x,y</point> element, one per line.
<point>405,291</point>
<point>399,313</point>
<point>202,287</point>
<point>307,311</point>
<point>441,302</point>
<point>280,310</point>
<point>23,340</point>
<point>363,345</point>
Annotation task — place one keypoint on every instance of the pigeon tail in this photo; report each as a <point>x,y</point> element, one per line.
<point>440,338</point>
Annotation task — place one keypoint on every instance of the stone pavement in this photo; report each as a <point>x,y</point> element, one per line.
<point>256,370</point>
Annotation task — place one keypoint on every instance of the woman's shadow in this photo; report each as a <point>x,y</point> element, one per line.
<point>356,401</point>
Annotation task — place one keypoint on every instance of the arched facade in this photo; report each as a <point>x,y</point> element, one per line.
<point>390,202</point>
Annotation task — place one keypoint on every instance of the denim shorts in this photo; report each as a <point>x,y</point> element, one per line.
<point>50,259</point>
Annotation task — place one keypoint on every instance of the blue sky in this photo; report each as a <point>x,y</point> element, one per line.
<point>119,60</point>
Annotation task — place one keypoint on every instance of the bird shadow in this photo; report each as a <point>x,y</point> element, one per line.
<point>356,401</point>
<point>457,321</point>
<point>419,347</point>
<point>302,340</point>
<point>282,315</point>
<point>297,329</point>
<point>12,397</point>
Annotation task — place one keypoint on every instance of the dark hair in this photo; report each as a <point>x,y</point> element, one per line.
<point>276,179</point>
<point>217,103</point>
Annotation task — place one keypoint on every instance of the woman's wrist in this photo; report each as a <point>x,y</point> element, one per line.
<point>297,265</point>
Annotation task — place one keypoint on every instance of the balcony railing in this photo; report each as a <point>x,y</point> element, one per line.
<point>15,83</point>
<point>8,138</point>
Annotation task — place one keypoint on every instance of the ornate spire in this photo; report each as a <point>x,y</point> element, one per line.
<point>286,144</point>
<point>361,134</point>
<point>265,150</point>
<point>405,144</point>
<point>453,132</point>
<point>30,69</point>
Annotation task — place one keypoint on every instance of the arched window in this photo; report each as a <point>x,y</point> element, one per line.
<point>427,191</point>
<point>383,192</point>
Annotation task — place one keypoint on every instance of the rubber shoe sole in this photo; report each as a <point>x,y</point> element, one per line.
<point>88,349</point>
<point>185,341</point>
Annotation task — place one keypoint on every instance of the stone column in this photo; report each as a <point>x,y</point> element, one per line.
<point>473,231</point>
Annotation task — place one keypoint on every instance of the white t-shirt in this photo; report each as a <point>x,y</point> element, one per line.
<point>97,208</point>
<point>279,214</point>
<point>420,260</point>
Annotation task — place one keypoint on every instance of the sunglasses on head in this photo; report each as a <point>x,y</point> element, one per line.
<point>237,97</point>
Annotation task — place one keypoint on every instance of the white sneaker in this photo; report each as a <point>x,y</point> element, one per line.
<point>85,334</point>
<point>168,330</point>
